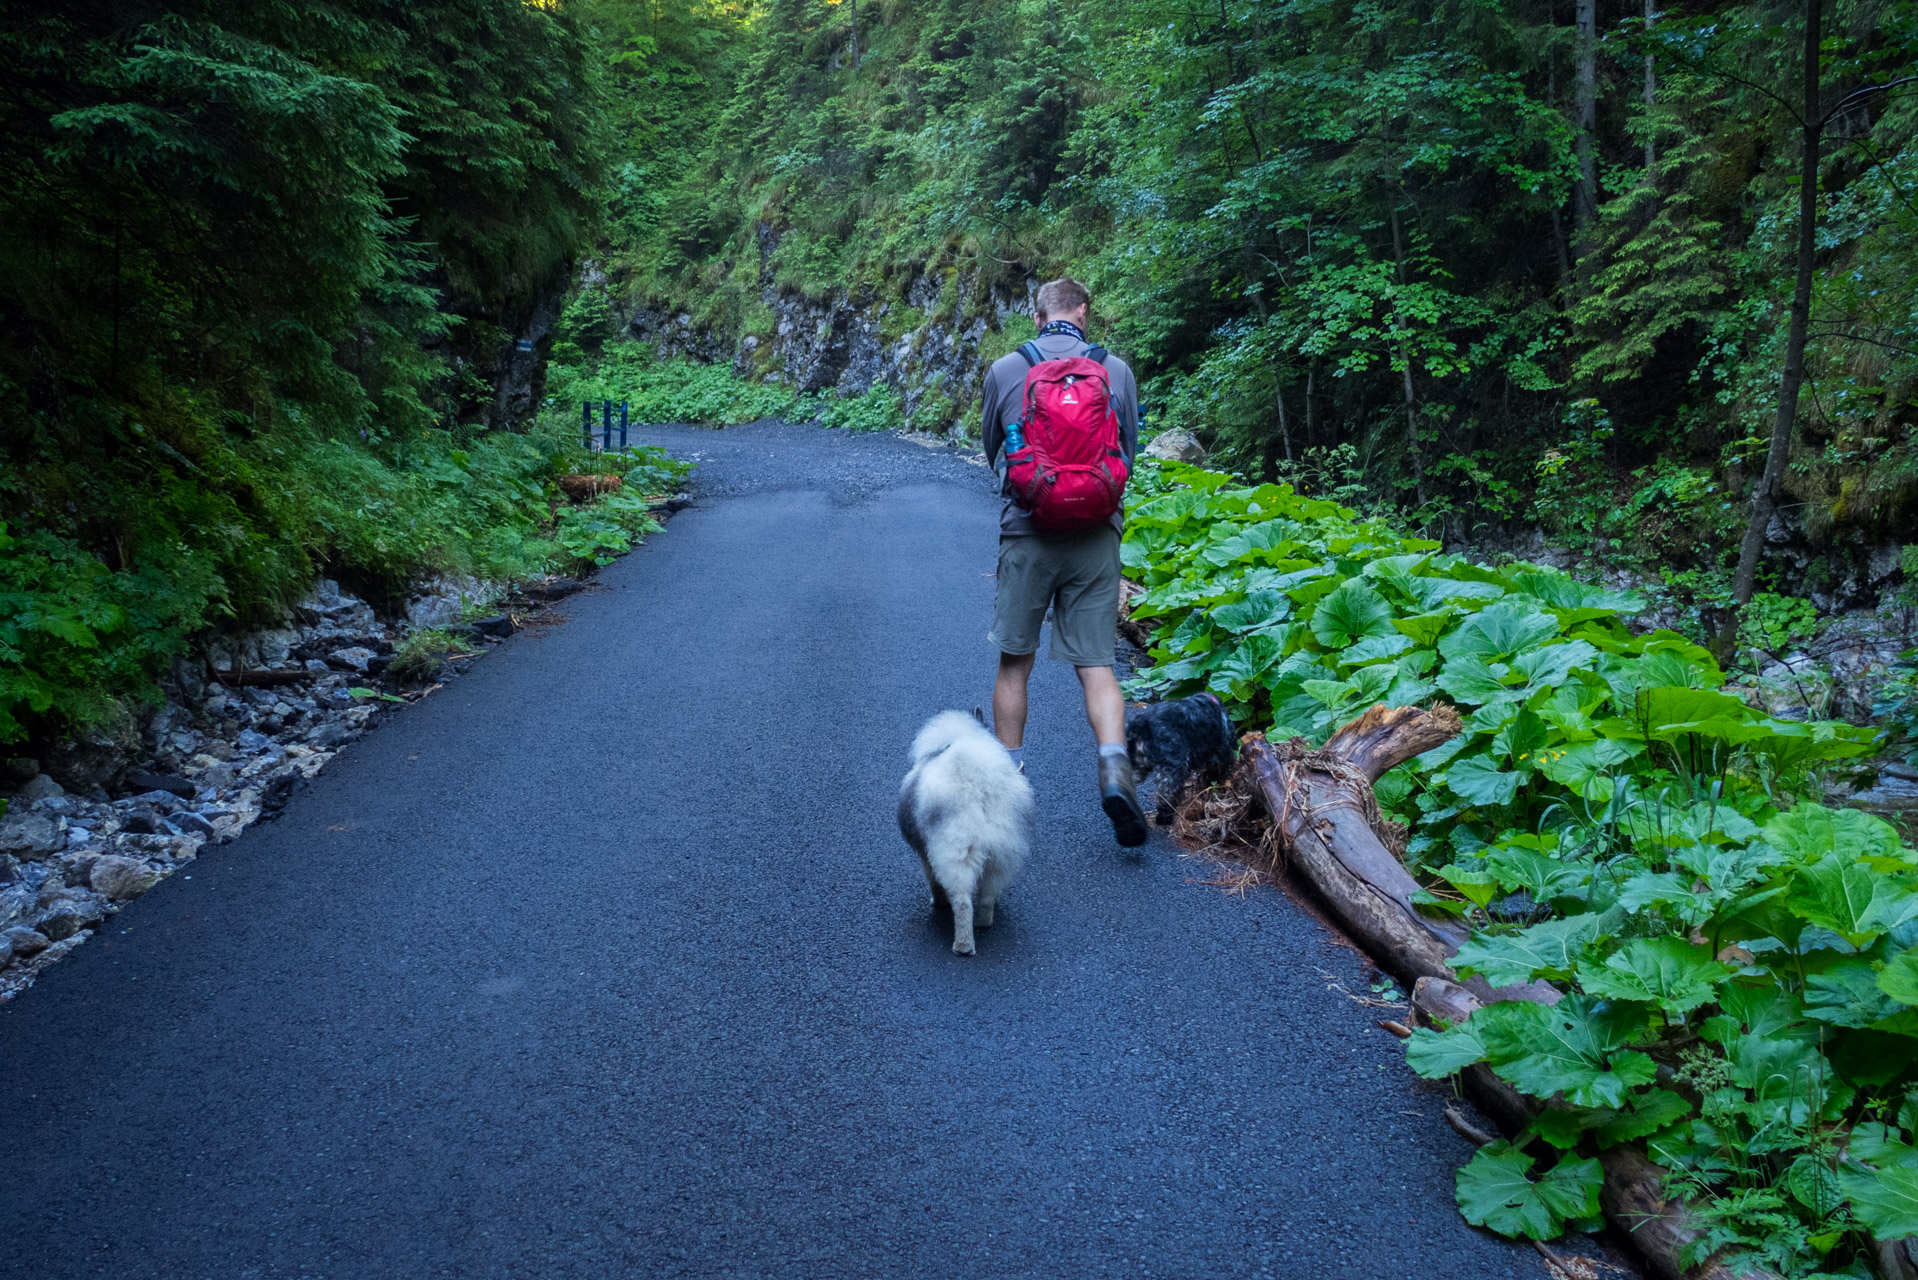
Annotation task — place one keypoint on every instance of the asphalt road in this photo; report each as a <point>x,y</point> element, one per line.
<point>607,960</point>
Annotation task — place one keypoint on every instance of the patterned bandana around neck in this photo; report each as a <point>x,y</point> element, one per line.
<point>1063,326</point>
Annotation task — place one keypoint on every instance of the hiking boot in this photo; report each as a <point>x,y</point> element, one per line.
<point>1119,797</point>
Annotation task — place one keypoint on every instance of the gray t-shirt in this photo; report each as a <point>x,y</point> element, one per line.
<point>1004,399</point>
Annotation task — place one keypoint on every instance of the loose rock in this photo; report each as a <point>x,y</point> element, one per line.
<point>25,942</point>
<point>171,783</point>
<point>352,659</point>
<point>122,878</point>
<point>70,911</point>
<point>38,787</point>
<point>29,836</point>
<point>1177,446</point>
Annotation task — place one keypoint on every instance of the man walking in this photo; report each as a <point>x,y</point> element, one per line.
<point>1074,572</point>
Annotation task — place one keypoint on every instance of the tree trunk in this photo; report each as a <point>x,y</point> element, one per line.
<point>1285,431</point>
<point>1405,361</point>
<point>1764,499</point>
<point>855,34</point>
<point>1651,90</point>
<point>1585,107</point>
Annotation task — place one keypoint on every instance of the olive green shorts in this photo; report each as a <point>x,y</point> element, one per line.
<point>1076,575</point>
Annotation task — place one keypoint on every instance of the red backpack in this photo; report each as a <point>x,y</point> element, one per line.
<point>1069,474</point>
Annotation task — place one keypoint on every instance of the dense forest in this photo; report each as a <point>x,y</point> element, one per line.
<point>286,287</point>
<point>1490,265</point>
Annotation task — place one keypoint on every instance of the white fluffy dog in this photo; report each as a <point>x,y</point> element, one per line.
<point>965,809</point>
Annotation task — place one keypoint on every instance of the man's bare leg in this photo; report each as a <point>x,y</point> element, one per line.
<point>1105,704</point>
<point>1009,700</point>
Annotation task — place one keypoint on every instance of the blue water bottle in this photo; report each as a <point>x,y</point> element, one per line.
<point>1015,438</point>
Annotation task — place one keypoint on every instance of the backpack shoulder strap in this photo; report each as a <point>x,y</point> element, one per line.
<point>1030,350</point>
<point>1096,352</point>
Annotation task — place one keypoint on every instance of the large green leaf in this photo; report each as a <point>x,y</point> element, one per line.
<point>1847,995</point>
<point>1553,665</point>
<point>1900,977</point>
<point>1850,900</point>
<point>1539,874</point>
<point>1886,1201</point>
<point>1652,1110</point>
<point>1470,679</point>
<point>1667,971</point>
<point>1437,1054</point>
<point>1495,1190</point>
<point>1350,614</point>
<point>1810,831</point>
<point>1551,949</point>
<point>1498,631</point>
<point>1478,781</point>
<point>1258,609</point>
<point>1575,1047</point>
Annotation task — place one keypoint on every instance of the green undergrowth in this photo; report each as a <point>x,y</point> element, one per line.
<point>80,639</point>
<point>671,389</point>
<point>1740,962</point>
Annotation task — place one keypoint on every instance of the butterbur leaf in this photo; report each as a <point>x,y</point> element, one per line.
<point>1574,1048</point>
<point>1495,1190</point>
<point>1541,876</point>
<point>1550,949</point>
<point>1437,1054</point>
<point>1479,887</point>
<point>1258,609</point>
<point>1423,630</point>
<point>1847,995</point>
<point>1498,631</point>
<point>1850,900</point>
<point>1667,971</point>
<point>1553,665</point>
<point>1469,679</point>
<point>1350,614</point>
<point>1810,831</point>
<point>1886,1202</point>
<point>1900,981</point>
<point>1652,1110</point>
<point>1562,1127</point>
<point>1476,780</point>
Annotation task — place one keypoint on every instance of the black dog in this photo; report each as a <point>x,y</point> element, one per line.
<point>1179,740</point>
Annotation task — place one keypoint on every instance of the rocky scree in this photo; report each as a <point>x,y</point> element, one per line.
<point>95,823</point>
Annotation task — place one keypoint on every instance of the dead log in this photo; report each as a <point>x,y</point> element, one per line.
<point>1330,828</point>
<point>1137,634</point>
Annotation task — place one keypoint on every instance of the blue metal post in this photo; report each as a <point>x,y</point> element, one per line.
<point>606,425</point>
<point>622,424</point>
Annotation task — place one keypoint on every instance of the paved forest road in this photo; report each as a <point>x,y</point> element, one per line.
<point>608,961</point>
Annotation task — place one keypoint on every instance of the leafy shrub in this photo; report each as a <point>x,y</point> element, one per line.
<point>658,390</point>
<point>878,409</point>
<point>1741,963</point>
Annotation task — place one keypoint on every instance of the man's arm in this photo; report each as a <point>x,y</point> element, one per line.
<point>992,428</point>
<point>1129,416</point>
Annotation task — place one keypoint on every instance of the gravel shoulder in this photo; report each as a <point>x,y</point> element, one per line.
<point>607,959</point>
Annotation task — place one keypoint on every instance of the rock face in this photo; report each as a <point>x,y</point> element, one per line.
<point>931,340</point>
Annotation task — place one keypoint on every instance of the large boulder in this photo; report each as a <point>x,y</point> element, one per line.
<point>1177,446</point>
<point>95,757</point>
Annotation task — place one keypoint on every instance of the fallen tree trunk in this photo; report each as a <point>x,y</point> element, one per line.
<point>1330,828</point>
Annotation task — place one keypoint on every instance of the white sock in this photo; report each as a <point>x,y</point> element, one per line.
<point>1018,755</point>
<point>1111,749</point>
